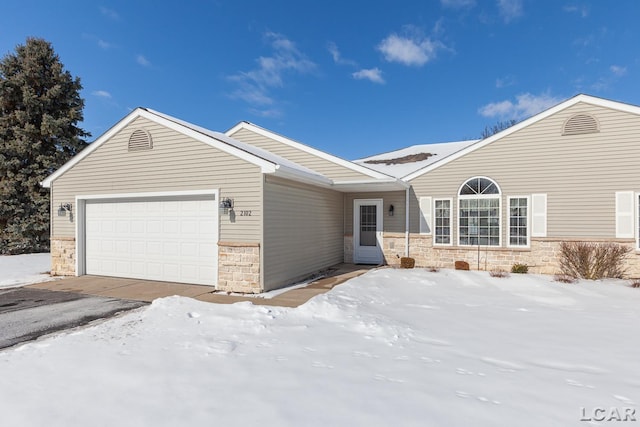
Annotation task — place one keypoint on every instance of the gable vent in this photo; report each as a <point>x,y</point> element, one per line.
<point>580,124</point>
<point>140,140</point>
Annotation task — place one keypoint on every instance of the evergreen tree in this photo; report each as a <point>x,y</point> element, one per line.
<point>40,107</point>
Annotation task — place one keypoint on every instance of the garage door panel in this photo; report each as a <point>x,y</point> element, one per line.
<point>169,240</point>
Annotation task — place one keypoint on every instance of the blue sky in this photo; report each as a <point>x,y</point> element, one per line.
<point>353,78</point>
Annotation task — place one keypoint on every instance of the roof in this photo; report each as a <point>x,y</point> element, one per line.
<point>363,169</point>
<point>268,162</point>
<point>587,99</point>
<point>392,162</point>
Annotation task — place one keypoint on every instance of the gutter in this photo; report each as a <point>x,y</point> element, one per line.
<point>300,176</point>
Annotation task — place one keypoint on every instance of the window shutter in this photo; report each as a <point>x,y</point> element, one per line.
<point>425,215</point>
<point>624,214</point>
<point>538,215</point>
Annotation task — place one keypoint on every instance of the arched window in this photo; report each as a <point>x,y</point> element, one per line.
<point>479,212</point>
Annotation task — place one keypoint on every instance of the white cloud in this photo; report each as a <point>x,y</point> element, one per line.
<point>101,94</point>
<point>411,49</point>
<point>271,113</point>
<point>140,59</point>
<point>510,9</point>
<point>256,85</point>
<point>458,4</point>
<point>104,45</point>
<point>525,105</point>
<point>583,11</point>
<point>618,70</point>
<point>110,13</point>
<point>505,81</point>
<point>371,74</point>
<point>337,56</point>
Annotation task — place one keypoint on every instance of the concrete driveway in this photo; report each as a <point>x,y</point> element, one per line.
<point>39,309</point>
<point>27,313</point>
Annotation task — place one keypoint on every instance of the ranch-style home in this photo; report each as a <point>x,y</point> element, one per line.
<point>249,210</point>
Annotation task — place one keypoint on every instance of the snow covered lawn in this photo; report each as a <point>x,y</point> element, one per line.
<point>390,348</point>
<point>17,270</point>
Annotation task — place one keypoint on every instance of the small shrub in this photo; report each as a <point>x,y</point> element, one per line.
<point>462,265</point>
<point>434,269</point>
<point>564,278</point>
<point>406,262</point>
<point>519,268</point>
<point>593,260</point>
<point>635,283</point>
<point>498,273</point>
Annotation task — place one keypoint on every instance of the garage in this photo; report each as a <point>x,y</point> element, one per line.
<point>170,238</point>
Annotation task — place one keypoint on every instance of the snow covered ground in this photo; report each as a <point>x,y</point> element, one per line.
<point>390,348</point>
<point>17,270</point>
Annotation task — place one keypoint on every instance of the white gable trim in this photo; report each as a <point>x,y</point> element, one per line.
<point>326,156</point>
<point>265,165</point>
<point>515,128</point>
<point>90,148</point>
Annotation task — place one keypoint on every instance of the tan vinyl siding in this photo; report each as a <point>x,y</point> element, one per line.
<point>302,230</point>
<point>579,173</point>
<point>390,224</point>
<point>175,163</point>
<point>318,164</point>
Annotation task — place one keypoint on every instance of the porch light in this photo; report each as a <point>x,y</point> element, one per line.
<point>63,209</point>
<point>391,209</point>
<point>226,205</point>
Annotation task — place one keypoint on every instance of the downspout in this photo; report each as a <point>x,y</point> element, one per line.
<point>406,222</point>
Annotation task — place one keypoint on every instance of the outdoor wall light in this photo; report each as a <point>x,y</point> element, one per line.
<point>391,209</point>
<point>64,208</point>
<point>226,205</point>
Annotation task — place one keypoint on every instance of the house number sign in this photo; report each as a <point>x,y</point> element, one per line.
<point>245,213</point>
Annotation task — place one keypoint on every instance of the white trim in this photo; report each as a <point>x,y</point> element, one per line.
<point>266,165</point>
<point>605,103</point>
<point>91,147</point>
<point>81,201</point>
<point>212,191</point>
<point>326,156</point>
<point>636,225</point>
<point>478,195</point>
<point>433,220</point>
<point>379,228</point>
<point>508,220</point>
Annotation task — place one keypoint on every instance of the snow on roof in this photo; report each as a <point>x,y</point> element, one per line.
<point>400,163</point>
<point>248,148</point>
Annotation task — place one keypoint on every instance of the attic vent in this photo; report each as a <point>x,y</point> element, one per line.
<point>140,140</point>
<point>580,124</point>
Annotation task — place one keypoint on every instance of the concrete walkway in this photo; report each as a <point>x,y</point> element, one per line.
<point>147,290</point>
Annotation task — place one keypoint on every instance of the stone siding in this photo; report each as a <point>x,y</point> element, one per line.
<point>63,256</point>
<point>239,267</point>
<point>348,248</point>
<point>542,257</point>
<point>393,248</point>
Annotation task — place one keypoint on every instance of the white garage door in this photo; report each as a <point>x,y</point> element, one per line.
<point>172,240</point>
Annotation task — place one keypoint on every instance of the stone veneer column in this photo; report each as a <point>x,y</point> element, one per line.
<point>348,248</point>
<point>63,256</point>
<point>239,267</point>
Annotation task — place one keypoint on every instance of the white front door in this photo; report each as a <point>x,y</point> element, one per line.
<point>367,231</point>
